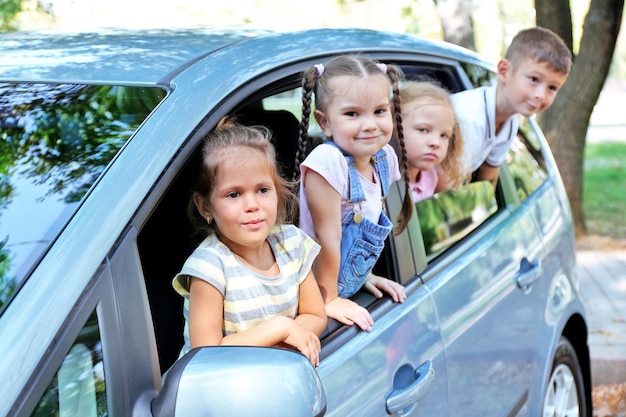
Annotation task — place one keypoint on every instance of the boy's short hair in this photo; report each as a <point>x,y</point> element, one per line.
<point>542,45</point>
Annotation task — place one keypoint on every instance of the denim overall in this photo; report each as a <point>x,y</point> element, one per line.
<point>362,240</point>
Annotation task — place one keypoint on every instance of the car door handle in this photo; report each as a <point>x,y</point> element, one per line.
<point>529,272</point>
<point>403,398</point>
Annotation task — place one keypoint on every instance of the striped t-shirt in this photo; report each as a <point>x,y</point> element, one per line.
<point>249,297</point>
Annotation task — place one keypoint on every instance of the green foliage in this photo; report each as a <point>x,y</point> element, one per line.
<point>604,188</point>
<point>68,144</point>
<point>450,215</point>
<point>60,138</point>
<point>8,10</point>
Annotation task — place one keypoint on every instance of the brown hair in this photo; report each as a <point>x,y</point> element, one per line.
<point>542,45</point>
<point>227,137</point>
<point>316,80</point>
<point>424,93</point>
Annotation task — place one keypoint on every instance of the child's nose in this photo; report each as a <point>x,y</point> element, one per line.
<point>434,141</point>
<point>369,123</point>
<point>251,202</point>
<point>540,92</point>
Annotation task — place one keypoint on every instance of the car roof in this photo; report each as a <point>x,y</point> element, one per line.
<point>120,56</point>
<point>110,56</point>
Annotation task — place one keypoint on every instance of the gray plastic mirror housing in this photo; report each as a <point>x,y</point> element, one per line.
<point>241,381</point>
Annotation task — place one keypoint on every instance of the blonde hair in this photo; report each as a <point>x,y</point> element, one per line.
<point>541,45</point>
<point>425,93</point>
<point>227,137</point>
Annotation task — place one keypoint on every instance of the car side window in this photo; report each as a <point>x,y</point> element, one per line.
<point>78,388</point>
<point>526,162</point>
<point>449,216</point>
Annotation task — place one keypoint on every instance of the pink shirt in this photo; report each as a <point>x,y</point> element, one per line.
<point>424,187</point>
<point>329,162</point>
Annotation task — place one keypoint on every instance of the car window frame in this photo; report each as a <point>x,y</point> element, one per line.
<point>96,297</point>
<point>283,79</point>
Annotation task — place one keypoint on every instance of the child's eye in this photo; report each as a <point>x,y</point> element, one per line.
<point>533,79</point>
<point>232,194</point>
<point>351,114</point>
<point>553,88</point>
<point>380,111</point>
<point>264,190</point>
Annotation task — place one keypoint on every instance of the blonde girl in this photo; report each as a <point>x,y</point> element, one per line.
<point>432,138</point>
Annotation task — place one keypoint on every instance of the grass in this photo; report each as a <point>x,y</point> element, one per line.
<point>604,189</point>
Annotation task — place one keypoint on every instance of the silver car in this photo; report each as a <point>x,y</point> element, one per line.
<point>99,136</point>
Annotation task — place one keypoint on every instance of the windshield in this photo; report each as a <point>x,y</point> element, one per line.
<point>55,141</point>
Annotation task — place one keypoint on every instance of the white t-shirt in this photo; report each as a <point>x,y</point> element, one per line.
<point>329,162</point>
<point>476,110</point>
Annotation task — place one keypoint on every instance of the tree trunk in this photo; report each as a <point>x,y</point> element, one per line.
<point>456,21</point>
<point>556,15</point>
<point>565,122</point>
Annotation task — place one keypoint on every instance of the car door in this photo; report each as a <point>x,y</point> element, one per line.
<point>398,367</point>
<point>482,280</point>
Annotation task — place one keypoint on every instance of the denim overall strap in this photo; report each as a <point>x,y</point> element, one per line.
<point>382,169</point>
<point>362,240</point>
<point>355,191</point>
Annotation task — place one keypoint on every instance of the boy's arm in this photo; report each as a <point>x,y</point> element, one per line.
<point>487,172</point>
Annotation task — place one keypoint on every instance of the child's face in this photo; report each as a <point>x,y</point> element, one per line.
<point>427,132</point>
<point>358,116</point>
<point>244,202</point>
<point>531,87</point>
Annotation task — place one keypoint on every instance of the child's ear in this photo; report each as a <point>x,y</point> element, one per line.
<point>322,121</point>
<point>202,205</point>
<point>504,67</point>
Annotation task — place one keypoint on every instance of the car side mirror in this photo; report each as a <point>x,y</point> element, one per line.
<point>240,381</point>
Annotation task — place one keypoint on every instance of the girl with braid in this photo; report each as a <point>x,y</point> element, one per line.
<point>344,181</point>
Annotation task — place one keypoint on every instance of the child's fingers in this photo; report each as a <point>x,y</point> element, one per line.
<point>348,312</point>
<point>372,288</point>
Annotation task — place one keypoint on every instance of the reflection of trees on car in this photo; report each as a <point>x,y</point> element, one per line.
<point>448,216</point>
<point>65,135</point>
<point>526,162</point>
<point>78,388</point>
<point>55,141</point>
<point>7,286</point>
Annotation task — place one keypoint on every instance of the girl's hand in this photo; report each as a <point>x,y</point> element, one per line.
<point>305,341</point>
<point>348,312</point>
<point>376,285</point>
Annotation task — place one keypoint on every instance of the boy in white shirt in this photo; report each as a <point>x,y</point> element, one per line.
<point>534,69</point>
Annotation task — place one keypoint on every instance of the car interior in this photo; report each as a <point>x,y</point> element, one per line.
<point>168,238</point>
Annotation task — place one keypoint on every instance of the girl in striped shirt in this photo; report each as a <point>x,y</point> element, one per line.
<point>250,281</point>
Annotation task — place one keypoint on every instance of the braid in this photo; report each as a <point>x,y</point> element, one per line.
<point>407,204</point>
<point>308,83</point>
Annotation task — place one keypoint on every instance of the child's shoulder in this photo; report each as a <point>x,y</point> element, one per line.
<point>291,239</point>
<point>470,94</point>
<point>287,231</point>
<point>474,103</point>
<point>324,149</point>
<point>325,158</point>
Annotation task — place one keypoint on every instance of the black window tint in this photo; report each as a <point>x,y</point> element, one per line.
<point>449,216</point>
<point>55,140</point>
<point>526,161</point>
<point>78,388</point>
